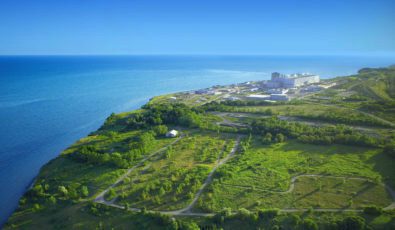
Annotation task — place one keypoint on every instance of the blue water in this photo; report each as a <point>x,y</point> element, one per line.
<point>48,102</point>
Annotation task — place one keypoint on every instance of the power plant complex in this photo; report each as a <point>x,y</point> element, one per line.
<point>279,80</point>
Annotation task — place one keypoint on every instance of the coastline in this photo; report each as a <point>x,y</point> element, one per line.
<point>31,183</point>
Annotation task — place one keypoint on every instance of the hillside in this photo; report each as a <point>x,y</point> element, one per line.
<point>323,160</point>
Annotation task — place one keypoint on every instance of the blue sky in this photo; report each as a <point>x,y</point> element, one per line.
<point>197,27</point>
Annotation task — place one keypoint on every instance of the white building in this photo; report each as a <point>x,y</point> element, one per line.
<point>258,97</point>
<point>172,133</point>
<point>290,81</point>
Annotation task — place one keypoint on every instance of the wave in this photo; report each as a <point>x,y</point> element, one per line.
<point>7,104</point>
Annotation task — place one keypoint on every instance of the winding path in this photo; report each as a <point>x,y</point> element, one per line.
<point>293,180</point>
<point>100,197</point>
<point>187,211</point>
<point>181,212</point>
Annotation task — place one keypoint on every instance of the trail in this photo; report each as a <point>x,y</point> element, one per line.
<point>187,211</point>
<point>206,182</point>
<point>100,197</point>
<point>181,212</point>
<point>293,180</point>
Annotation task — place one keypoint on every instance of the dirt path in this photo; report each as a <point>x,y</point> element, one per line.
<point>187,211</point>
<point>293,180</point>
<point>181,212</point>
<point>392,124</point>
<point>227,122</point>
<point>206,182</point>
<point>100,198</point>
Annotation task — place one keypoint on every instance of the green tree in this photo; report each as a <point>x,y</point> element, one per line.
<point>162,191</point>
<point>267,139</point>
<point>352,223</point>
<point>111,194</point>
<point>280,137</point>
<point>160,130</point>
<point>84,191</point>
<point>38,190</point>
<point>308,224</point>
<point>63,191</point>
<point>52,200</point>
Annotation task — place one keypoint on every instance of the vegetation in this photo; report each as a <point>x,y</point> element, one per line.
<point>331,150</point>
<point>262,177</point>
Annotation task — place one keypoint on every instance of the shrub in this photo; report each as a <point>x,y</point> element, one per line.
<point>351,223</point>
<point>111,194</point>
<point>267,214</point>
<point>308,224</point>
<point>372,210</point>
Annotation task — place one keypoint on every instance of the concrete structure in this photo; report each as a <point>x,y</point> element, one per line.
<point>290,81</point>
<point>312,88</point>
<point>172,133</point>
<point>279,97</point>
<point>278,91</point>
<point>258,97</point>
<point>232,98</point>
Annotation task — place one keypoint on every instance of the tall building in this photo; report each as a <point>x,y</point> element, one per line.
<point>279,80</point>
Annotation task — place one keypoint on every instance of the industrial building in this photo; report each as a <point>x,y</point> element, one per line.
<point>279,80</point>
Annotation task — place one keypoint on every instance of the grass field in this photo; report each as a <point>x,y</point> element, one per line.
<point>257,178</point>
<point>170,180</point>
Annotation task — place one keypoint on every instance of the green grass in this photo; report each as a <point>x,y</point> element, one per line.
<point>170,180</point>
<point>255,178</point>
<point>81,216</point>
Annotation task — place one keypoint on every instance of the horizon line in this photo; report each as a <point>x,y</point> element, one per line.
<point>209,54</point>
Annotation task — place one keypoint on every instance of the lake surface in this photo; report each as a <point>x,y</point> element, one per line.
<point>49,102</point>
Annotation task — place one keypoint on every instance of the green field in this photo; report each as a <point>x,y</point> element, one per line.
<point>259,177</point>
<point>170,180</point>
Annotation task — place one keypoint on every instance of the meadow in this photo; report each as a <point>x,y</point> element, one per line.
<point>342,177</point>
<point>170,180</point>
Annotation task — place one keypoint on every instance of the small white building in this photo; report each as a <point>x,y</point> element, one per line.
<point>258,97</point>
<point>172,133</point>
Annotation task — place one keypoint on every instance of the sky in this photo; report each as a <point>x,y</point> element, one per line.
<point>224,27</point>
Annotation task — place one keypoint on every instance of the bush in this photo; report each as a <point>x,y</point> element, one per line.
<point>351,223</point>
<point>245,215</point>
<point>160,130</point>
<point>111,194</point>
<point>372,210</point>
<point>267,214</point>
<point>63,191</point>
<point>308,224</point>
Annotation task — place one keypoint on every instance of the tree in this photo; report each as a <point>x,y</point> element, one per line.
<point>84,191</point>
<point>111,194</point>
<point>280,137</point>
<point>52,200</point>
<point>267,214</point>
<point>308,224</point>
<point>162,191</point>
<point>63,191</point>
<point>390,149</point>
<point>38,190</point>
<point>160,130</point>
<point>352,223</point>
<point>267,139</point>
<point>372,210</point>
